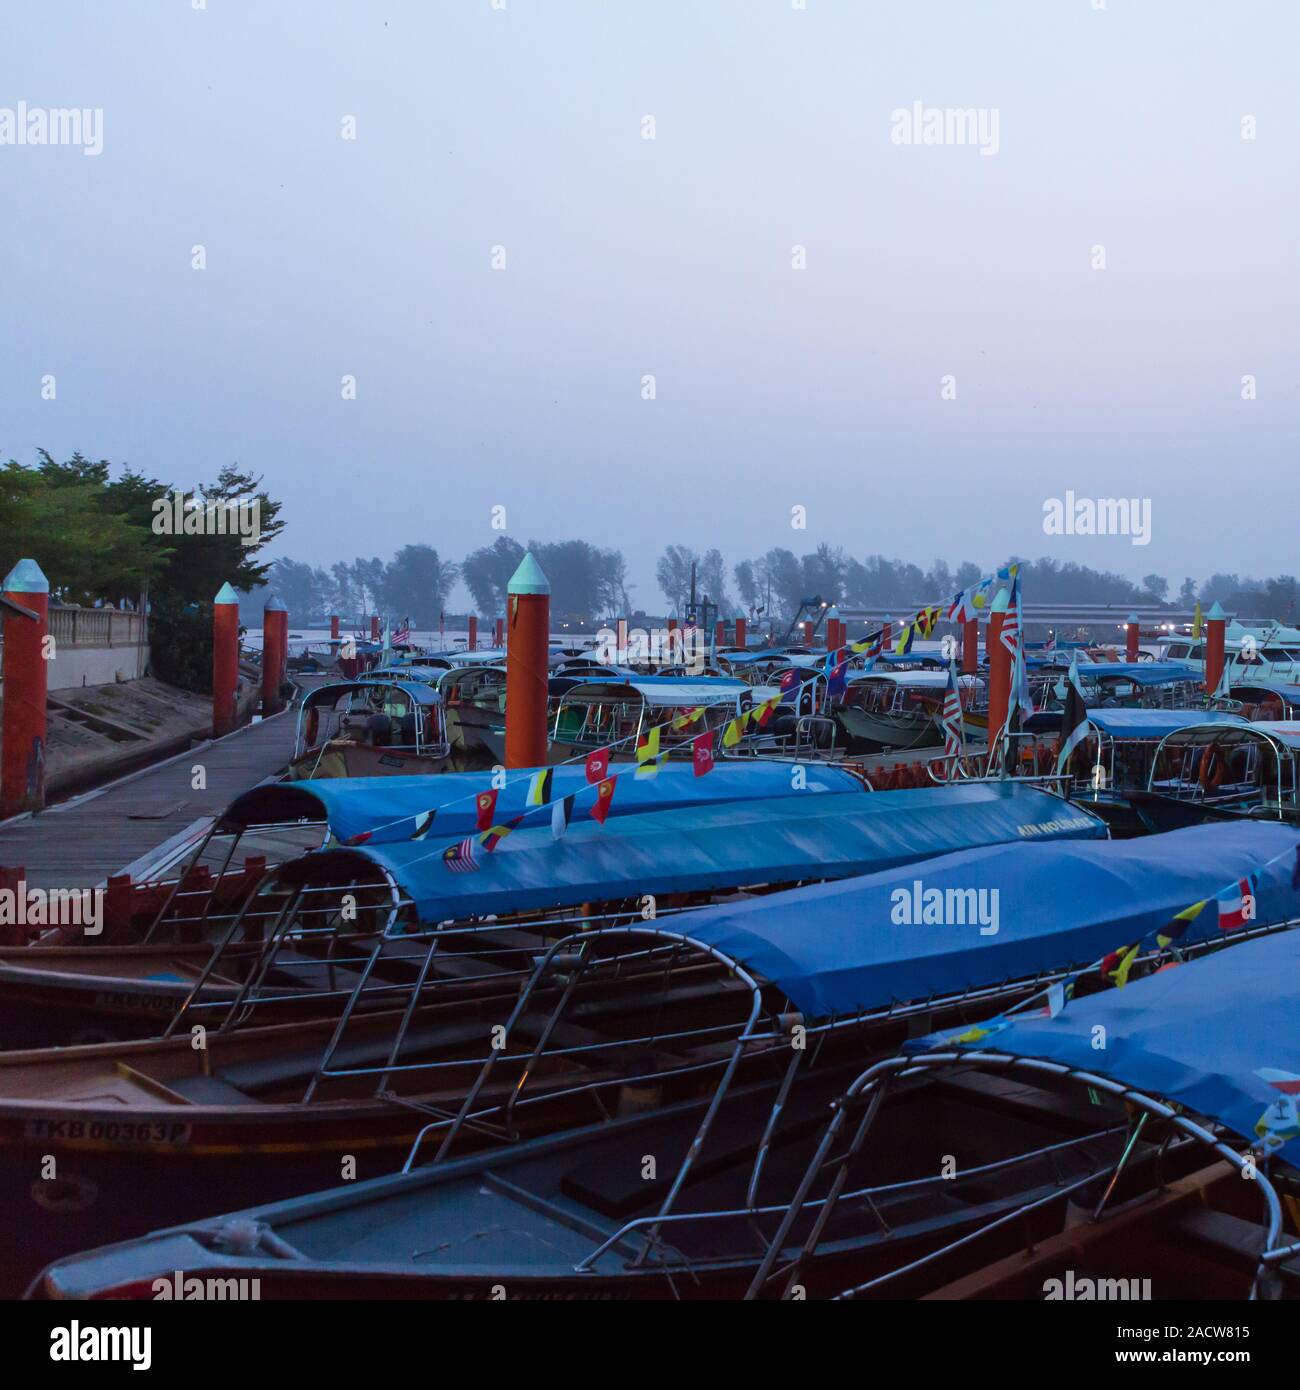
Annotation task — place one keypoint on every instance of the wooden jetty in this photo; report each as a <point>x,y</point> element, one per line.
<point>146,820</point>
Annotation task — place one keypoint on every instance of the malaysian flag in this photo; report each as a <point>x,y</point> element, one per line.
<point>460,858</point>
<point>1011,623</point>
<point>403,632</point>
<point>950,719</point>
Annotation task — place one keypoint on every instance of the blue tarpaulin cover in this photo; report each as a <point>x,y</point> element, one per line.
<point>1217,1036</point>
<point>838,948</point>
<point>353,805</point>
<point>1134,723</point>
<point>712,847</point>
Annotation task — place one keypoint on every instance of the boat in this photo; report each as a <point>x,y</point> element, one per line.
<point>592,714</point>
<point>885,709</point>
<point>744,1195</point>
<point>1116,758</point>
<point>272,1106</point>
<point>57,993</point>
<point>1208,1052</point>
<point>370,728</point>
<point>1223,771</point>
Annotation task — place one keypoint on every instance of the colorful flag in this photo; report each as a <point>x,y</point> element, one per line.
<point>597,765</point>
<point>1058,996</point>
<point>402,633</point>
<point>731,735</point>
<point>1010,634</point>
<point>790,682</point>
<point>1237,905</point>
<point>604,796</point>
<point>1179,923</point>
<point>836,677</point>
<point>561,815</point>
<point>950,719</point>
<point>539,787</point>
<point>493,837</point>
<point>687,718</point>
<point>763,712</point>
<point>485,805</point>
<point>904,643</point>
<point>648,749</point>
<point>460,858</point>
<point>1074,718</point>
<point>702,753</point>
<point>1117,964</point>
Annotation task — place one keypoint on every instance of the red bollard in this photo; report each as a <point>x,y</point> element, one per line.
<point>1132,634</point>
<point>1215,627</point>
<point>529,600</point>
<point>886,634</point>
<point>999,666</point>
<point>720,633</point>
<point>275,652</point>
<point>374,627</point>
<point>970,646</point>
<point>499,636</point>
<point>26,681</point>
<point>225,659</point>
<point>472,640</point>
<point>742,636</point>
<point>334,625</point>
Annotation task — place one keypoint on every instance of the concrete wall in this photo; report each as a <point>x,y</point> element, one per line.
<point>78,666</point>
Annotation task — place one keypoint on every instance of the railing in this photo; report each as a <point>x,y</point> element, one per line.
<point>96,627</point>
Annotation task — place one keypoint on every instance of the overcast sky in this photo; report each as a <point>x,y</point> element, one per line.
<point>523,127</point>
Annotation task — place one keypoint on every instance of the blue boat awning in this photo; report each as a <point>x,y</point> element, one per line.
<point>712,847</point>
<point>1218,1036</point>
<point>1008,912</point>
<point>357,805</point>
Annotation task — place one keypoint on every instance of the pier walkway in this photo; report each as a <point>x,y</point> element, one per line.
<point>137,819</point>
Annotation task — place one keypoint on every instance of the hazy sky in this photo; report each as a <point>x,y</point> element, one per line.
<point>522,127</point>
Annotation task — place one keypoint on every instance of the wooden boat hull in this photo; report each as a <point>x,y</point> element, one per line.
<point>871,732</point>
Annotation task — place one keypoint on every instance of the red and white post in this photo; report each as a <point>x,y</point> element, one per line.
<point>26,681</point>
<point>529,620</point>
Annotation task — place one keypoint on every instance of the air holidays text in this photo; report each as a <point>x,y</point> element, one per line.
<point>945,907</point>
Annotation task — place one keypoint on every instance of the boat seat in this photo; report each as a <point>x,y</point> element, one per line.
<point>1229,1237</point>
<point>209,1090</point>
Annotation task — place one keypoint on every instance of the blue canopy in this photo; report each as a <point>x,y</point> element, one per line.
<point>1289,693</point>
<point>1120,722</point>
<point>420,694</point>
<point>839,948</point>
<point>354,805</point>
<point>1154,723</point>
<point>708,848</point>
<point>1143,673</point>
<point>1217,1036</point>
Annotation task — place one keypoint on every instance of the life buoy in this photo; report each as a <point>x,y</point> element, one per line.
<point>1213,767</point>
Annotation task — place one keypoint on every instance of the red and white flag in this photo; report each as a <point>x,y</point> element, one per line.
<point>598,765</point>
<point>702,753</point>
<point>1237,906</point>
